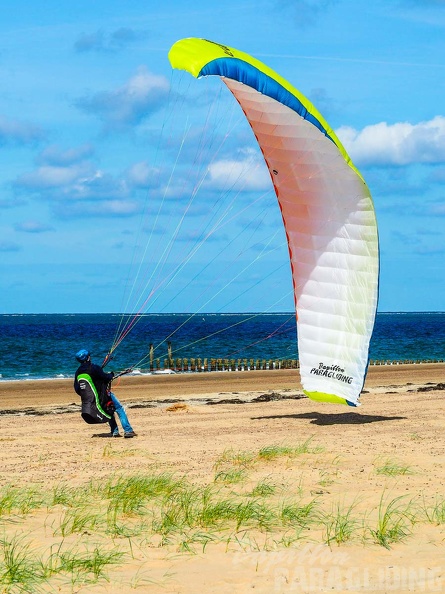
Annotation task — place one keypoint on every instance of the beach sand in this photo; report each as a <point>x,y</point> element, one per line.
<point>357,462</point>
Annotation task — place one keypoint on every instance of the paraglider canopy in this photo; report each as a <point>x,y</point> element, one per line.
<point>327,213</point>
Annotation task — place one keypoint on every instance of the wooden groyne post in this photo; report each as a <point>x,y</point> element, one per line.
<point>152,354</point>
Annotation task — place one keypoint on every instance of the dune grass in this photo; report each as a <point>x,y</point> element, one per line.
<point>393,468</point>
<point>19,568</point>
<point>230,476</point>
<point>272,452</point>
<point>98,526</point>
<point>264,488</point>
<point>243,459</point>
<point>395,519</point>
<point>435,512</point>
<point>25,569</point>
<point>21,501</point>
<point>340,525</point>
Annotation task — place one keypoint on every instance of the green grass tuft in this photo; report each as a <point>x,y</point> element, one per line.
<point>394,522</point>
<point>393,468</point>
<point>272,452</point>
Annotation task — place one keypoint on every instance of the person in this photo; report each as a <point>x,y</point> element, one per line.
<point>101,381</point>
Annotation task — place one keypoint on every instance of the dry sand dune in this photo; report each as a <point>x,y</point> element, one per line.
<point>197,426</point>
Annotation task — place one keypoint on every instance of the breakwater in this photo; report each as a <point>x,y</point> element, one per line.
<point>187,365</point>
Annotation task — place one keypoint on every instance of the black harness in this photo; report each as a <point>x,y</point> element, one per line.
<point>95,409</point>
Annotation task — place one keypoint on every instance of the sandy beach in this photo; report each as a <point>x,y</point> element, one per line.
<point>246,437</point>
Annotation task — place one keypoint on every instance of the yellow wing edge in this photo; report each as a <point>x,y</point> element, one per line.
<point>193,54</point>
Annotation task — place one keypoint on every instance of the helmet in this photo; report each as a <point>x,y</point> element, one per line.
<point>82,355</point>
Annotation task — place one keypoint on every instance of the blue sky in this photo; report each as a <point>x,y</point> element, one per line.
<point>99,139</point>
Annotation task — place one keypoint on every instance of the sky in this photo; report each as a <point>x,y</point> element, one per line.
<point>103,147</point>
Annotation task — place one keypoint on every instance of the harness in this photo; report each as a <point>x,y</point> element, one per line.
<point>94,410</point>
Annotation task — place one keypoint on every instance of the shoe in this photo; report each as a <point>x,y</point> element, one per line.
<point>129,434</point>
<point>115,434</point>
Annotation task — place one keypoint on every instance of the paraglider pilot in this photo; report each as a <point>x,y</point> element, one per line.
<point>99,404</point>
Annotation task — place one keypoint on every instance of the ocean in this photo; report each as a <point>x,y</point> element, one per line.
<point>43,346</point>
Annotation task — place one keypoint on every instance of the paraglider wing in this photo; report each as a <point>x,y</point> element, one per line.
<point>327,212</point>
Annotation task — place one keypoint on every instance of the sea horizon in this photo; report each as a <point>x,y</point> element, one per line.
<point>43,346</point>
<point>116,313</point>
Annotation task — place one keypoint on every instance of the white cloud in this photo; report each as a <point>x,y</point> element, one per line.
<point>50,176</point>
<point>120,207</point>
<point>128,105</point>
<point>75,182</point>
<point>100,186</point>
<point>18,132</point>
<point>142,175</point>
<point>104,208</point>
<point>397,144</point>
<point>248,173</point>
<point>55,155</point>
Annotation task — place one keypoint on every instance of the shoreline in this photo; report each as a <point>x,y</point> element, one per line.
<point>50,392</point>
<point>285,365</point>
